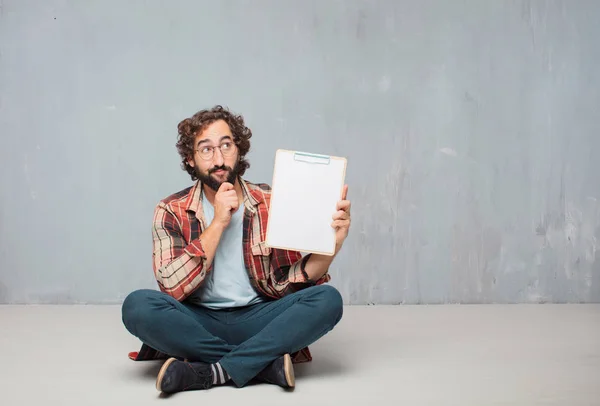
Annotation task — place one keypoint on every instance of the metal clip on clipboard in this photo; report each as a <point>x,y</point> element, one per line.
<point>304,182</point>
<point>311,158</point>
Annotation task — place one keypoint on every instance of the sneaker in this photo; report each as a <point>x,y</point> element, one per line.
<point>279,372</point>
<point>177,376</point>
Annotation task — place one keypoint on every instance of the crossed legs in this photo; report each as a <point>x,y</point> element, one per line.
<point>243,341</point>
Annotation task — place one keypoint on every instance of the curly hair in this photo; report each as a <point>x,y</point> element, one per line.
<point>190,127</point>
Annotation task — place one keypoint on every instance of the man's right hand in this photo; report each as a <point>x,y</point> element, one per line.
<point>226,203</point>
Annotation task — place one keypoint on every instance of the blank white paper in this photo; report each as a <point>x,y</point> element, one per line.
<point>303,200</point>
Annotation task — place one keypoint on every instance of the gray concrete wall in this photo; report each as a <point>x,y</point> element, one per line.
<point>471,132</point>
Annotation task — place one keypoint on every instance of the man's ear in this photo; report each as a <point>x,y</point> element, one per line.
<point>191,162</point>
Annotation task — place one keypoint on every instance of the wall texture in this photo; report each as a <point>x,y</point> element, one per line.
<point>471,131</point>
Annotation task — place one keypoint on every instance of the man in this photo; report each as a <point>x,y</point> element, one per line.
<point>229,308</point>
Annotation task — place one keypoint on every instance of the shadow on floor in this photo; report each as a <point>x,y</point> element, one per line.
<point>149,369</point>
<point>319,368</point>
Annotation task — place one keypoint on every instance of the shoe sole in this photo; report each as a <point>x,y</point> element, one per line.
<point>161,373</point>
<point>288,368</point>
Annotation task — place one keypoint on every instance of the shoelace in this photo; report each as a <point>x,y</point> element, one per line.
<point>203,375</point>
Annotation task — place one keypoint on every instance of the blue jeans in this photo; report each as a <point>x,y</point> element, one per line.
<point>244,340</point>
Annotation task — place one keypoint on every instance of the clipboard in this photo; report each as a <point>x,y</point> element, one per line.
<point>304,193</point>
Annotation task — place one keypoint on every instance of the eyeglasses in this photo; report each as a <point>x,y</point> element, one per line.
<point>207,153</point>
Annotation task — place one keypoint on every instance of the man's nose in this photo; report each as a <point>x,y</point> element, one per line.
<point>218,157</point>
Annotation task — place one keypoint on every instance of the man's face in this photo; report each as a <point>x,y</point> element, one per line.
<point>223,166</point>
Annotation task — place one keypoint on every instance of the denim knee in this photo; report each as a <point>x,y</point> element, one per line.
<point>333,303</point>
<point>135,307</point>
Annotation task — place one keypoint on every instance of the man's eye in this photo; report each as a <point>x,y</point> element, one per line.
<point>205,150</point>
<point>226,145</point>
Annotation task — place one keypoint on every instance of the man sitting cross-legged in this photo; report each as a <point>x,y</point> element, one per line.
<point>229,308</point>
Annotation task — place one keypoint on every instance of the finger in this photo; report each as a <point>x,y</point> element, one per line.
<point>230,194</point>
<point>344,192</point>
<point>234,203</point>
<point>225,186</point>
<point>343,205</point>
<point>341,215</point>
<point>231,207</point>
<point>228,200</point>
<point>226,197</point>
<point>340,224</point>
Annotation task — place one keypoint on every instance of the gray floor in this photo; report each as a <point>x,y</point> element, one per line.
<point>402,355</point>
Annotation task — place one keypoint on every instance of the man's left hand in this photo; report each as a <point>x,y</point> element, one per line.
<point>341,220</point>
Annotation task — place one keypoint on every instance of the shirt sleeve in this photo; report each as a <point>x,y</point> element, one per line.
<point>179,267</point>
<point>288,274</point>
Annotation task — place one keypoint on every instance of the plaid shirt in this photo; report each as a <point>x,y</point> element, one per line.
<point>179,258</point>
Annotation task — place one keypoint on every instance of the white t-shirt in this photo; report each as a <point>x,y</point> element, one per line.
<point>227,285</point>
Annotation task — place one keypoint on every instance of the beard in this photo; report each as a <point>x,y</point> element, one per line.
<point>213,183</point>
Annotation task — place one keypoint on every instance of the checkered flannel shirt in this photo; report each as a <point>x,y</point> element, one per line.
<point>179,258</point>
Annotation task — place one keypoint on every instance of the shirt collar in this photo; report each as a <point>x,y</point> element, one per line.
<point>252,198</point>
